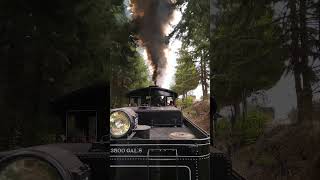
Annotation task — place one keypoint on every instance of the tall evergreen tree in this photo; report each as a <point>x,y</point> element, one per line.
<point>187,76</point>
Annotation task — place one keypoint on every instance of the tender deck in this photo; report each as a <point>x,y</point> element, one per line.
<point>157,133</point>
<point>161,134</point>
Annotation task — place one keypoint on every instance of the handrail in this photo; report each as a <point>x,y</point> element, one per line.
<point>236,176</point>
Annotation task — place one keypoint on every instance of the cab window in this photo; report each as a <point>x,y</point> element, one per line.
<point>81,126</point>
<point>157,100</point>
<point>135,101</point>
<point>170,101</point>
<point>145,101</point>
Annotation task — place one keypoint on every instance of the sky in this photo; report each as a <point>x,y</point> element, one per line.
<point>282,96</point>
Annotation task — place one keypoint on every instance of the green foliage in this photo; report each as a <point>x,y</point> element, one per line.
<point>128,69</point>
<point>186,102</point>
<point>193,30</point>
<point>223,128</point>
<point>50,48</point>
<point>246,52</point>
<point>244,132</point>
<point>250,129</point>
<point>265,159</point>
<point>132,74</point>
<point>186,76</point>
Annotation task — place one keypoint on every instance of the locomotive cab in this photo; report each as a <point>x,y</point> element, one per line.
<point>83,114</point>
<point>152,107</point>
<point>155,106</point>
<point>152,96</point>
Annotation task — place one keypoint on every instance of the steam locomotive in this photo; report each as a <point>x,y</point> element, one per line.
<point>150,139</point>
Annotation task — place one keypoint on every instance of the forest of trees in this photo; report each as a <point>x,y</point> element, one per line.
<point>255,43</point>
<point>48,49</point>
<point>194,61</point>
<point>51,48</point>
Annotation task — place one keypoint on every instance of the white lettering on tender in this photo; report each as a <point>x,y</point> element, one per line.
<point>126,150</point>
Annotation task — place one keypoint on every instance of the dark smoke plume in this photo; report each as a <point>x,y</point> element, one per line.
<point>151,17</point>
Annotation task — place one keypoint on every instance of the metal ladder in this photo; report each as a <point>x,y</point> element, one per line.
<point>160,155</point>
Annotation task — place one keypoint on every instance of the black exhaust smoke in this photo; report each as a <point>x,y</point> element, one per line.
<point>151,18</point>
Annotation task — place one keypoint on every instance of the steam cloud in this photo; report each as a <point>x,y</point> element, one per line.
<point>151,18</point>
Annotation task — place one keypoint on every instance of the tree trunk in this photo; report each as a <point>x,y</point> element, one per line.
<point>294,48</point>
<point>236,107</point>
<point>318,28</point>
<point>306,71</point>
<point>297,79</point>
<point>203,77</point>
<point>205,95</point>
<point>244,105</point>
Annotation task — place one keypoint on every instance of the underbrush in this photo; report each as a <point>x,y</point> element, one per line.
<point>265,159</point>
<point>199,112</point>
<point>245,131</point>
<point>185,103</point>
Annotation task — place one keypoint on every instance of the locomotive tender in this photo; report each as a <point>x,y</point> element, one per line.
<point>162,143</point>
<point>149,139</point>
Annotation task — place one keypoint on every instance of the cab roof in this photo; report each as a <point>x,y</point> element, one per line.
<point>152,91</point>
<point>91,97</point>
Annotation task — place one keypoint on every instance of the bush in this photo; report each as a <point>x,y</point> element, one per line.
<point>251,128</point>
<point>244,132</point>
<point>187,102</point>
<point>266,160</point>
<point>223,128</point>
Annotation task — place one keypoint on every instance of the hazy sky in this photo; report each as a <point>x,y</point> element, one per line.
<point>282,97</point>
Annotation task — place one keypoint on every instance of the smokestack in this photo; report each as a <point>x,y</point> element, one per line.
<point>151,18</point>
